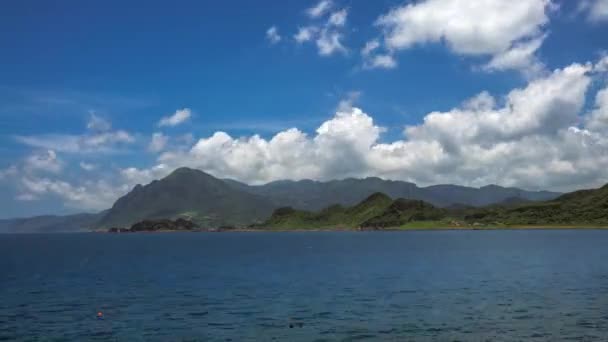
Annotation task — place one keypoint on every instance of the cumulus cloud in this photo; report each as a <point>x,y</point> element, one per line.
<point>520,57</point>
<point>537,136</point>
<point>602,65</point>
<point>598,118</point>
<point>180,116</point>
<point>272,34</point>
<point>531,138</point>
<point>158,142</point>
<point>509,31</point>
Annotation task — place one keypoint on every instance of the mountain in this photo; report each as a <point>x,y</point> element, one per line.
<point>312,195</point>
<point>584,207</point>
<point>376,211</point>
<point>191,194</point>
<point>211,202</point>
<point>50,224</point>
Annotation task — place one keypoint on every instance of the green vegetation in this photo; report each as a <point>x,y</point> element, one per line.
<point>580,208</point>
<point>583,209</point>
<point>210,202</point>
<point>378,211</point>
<point>189,194</point>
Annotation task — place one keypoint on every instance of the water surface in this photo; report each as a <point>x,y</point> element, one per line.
<point>543,285</point>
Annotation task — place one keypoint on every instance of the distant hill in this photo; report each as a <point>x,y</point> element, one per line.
<point>211,202</point>
<point>376,211</point>
<point>190,194</point>
<point>580,208</point>
<point>313,195</point>
<point>50,224</point>
<point>584,207</point>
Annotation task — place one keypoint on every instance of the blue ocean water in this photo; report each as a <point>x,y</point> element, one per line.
<point>541,285</point>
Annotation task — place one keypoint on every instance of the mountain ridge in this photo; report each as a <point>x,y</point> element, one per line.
<point>210,201</point>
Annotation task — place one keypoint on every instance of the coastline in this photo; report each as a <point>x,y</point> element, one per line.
<point>393,229</point>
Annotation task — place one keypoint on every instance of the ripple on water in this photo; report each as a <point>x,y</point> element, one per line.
<point>404,288</point>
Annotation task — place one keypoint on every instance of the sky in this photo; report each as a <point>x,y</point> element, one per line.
<point>96,97</point>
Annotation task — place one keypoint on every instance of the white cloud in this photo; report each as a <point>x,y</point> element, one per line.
<point>43,162</point>
<point>597,10</point>
<point>272,34</point>
<point>602,65</point>
<point>338,18</point>
<point>99,138</point>
<point>380,61</point>
<point>373,60</point>
<point>180,116</point>
<point>327,35</point>
<point>520,57</point>
<point>8,172</point>
<point>545,106</point>
<point>528,139</point>
<point>598,118</point>
<point>98,124</point>
<point>329,42</point>
<point>133,175</point>
<point>484,28</point>
<point>320,9</point>
<point>305,34</point>
<point>158,142</point>
<point>87,166</point>
<point>370,47</point>
<point>90,195</point>
<point>88,143</point>
<point>536,136</point>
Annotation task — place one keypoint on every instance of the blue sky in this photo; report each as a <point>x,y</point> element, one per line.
<point>120,69</point>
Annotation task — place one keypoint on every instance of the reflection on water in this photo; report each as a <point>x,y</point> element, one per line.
<point>440,285</point>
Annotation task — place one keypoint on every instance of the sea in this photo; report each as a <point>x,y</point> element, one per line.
<point>507,285</point>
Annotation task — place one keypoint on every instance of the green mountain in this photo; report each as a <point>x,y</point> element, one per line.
<point>191,194</point>
<point>376,211</point>
<point>313,196</point>
<point>579,208</point>
<point>584,207</point>
<point>211,202</point>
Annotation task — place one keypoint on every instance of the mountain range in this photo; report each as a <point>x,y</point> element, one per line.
<point>585,208</point>
<point>212,202</point>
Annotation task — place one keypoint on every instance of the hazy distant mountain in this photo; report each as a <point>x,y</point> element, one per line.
<point>313,195</point>
<point>212,202</point>
<point>192,194</point>
<point>50,224</point>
